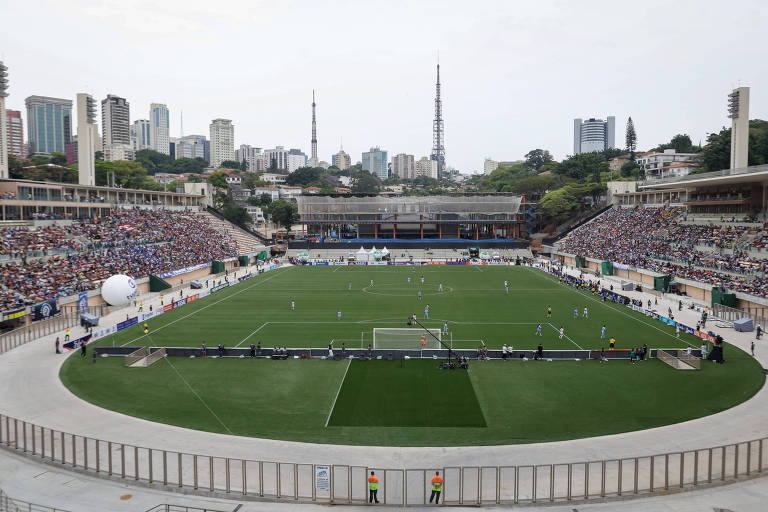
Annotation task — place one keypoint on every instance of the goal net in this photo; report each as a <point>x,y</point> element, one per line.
<point>678,363</point>
<point>384,338</point>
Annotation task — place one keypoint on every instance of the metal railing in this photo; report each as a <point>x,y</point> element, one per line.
<point>729,314</point>
<point>346,484</point>
<point>22,335</point>
<point>181,508</point>
<point>8,504</point>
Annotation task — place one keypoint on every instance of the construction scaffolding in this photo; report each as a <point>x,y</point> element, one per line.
<point>443,217</point>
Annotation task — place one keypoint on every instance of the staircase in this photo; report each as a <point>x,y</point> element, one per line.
<point>246,242</point>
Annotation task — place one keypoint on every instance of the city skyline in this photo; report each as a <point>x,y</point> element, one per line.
<point>510,81</point>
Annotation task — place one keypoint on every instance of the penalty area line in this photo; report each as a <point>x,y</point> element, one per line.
<point>338,391</point>
<point>566,336</point>
<point>254,332</point>
<point>198,396</point>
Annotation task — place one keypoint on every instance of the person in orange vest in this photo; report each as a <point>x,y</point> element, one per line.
<point>437,487</point>
<point>423,342</point>
<point>373,488</point>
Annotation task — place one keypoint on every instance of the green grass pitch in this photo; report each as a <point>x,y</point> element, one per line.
<point>380,403</point>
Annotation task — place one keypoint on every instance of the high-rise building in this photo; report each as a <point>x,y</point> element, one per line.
<point>276,159</point>
<point>141,135</point>
<point>115,120</point>
<point>738,111</point>
<point>403,166</point>
<point>222,141</point>
<point>15,131</point>
<point>114,152</point>
<point>4,145</point>
<point>191,146</point>
<point>86,139</point>
<point>342,160</point>
<point>438,137</point>
<point>489,166</point>
<point>313,161</point>
<point>375,161</point>
<point>253,157</point>
<point>296,159</point>
<point>158,118</point>
<point>426,167</point>
<point>593,135</point>
<point>49,124</point>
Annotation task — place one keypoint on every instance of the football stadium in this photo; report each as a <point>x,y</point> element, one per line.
<point>188,325</point>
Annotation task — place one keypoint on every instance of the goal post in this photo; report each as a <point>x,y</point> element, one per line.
<point>386,338</point>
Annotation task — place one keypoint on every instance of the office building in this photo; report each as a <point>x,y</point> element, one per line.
<point>115,152</point>
<point>141,135</point>
<point>276,159</point>
<point>375,161</point>
<point>593,135</point>
<point>15,134</point>
<point>222,141</point>
<point>192,146</point>
<point>489,166</point>
<point>49,124</point>
<point>403,166</point>
<point>160,136</point>
<point>738,111</point>
<point>253,157</point>
<point>425,166</point>
<point>296,159</point>
<point>342,160</point>
<point>86,140</point>
<point>115,121</point>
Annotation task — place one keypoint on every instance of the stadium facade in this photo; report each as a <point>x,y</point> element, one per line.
<point>469,217</point>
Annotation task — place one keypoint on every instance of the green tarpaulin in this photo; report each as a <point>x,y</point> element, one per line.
<point>720,297</point>
<point>217,267</point>
<point>262,256</point>
<point>243,260</point>
<point>607,268</point>
<point>661,283</point>
<point>581,261</point>
<point>157,285</point>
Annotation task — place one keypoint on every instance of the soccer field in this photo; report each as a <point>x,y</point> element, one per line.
<point>401,402</point>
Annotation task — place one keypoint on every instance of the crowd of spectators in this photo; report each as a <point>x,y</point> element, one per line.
<point>79,256</point>
<point>656,240</point>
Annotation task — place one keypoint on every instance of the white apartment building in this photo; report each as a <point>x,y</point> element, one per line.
<point>296,160</point>
<point>254,158</point>
<point>403,166</point>
<point>222,141</point>
<point>115,116</point>
<point>114,152</point>
<point>425,167</point>
<point>489,166</point>
<point>270,191</point>
<point>669,163</point>
<point>277,157</point>
<point>140,135</point>
<point>270,177</point>
<point>158,117</point>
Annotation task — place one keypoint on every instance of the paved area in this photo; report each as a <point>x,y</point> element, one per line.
<point>32,391</point>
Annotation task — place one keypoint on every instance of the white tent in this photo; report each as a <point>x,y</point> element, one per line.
<point>384,251</point>
<point>362,255</point>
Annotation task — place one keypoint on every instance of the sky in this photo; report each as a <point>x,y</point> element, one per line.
<point>514,73</point>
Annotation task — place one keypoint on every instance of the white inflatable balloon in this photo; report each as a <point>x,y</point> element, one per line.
<point>118,290</point>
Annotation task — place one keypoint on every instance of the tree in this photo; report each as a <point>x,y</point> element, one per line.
<point>236,214</point>
<point>15,168</point>
<point>535,185</point>
<point>365,183</point>
<point>630,169</point>
<point>303,176</point>
<point>564,202</point>
<point>218,179</point>
<point>251,180</point>
<point>230,164</point>
<point>283,213</point>
<point>631,138</point>
<point>262,200</point>
<point>154,161</point>
<point>536,158</point>
<point>126,174</point>
<point>681,143</point>
<point>195,165</point>
<point>583,165</point>
<point>58,158</point>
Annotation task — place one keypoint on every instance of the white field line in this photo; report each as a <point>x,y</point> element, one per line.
<point>349,362</point>
<point>198,396</point>
<point>254,332</point>
<point>205,307</point>
<point>566,336</point>
<point>607,305</point>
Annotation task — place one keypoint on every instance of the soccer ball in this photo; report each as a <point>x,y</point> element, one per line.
<point>118,290</point>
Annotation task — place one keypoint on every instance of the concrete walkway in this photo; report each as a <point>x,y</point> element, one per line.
<point>33,391</point>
